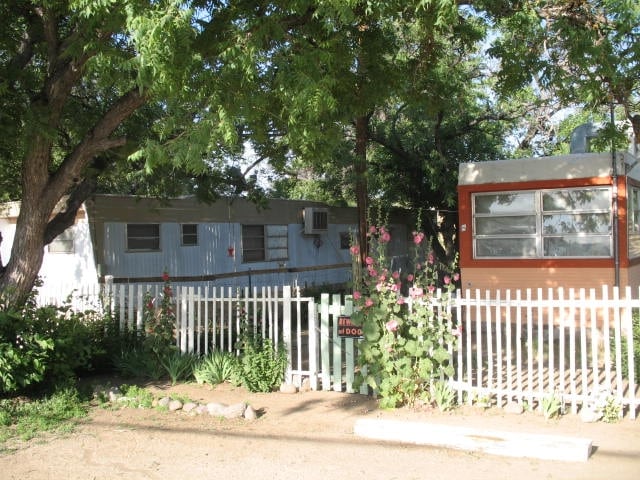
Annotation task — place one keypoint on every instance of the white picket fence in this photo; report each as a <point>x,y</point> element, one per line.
<point>516,346</point>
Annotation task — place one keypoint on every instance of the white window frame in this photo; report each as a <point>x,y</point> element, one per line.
<point>538,235</point>
<point>63,243</point>
<point>194,237</point>
<point>272,245</point>
<point>153,238</point>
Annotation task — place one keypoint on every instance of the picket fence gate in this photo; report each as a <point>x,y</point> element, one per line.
<point>515,346</point>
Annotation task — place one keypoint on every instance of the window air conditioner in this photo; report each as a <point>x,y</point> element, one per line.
<point>316,220</point>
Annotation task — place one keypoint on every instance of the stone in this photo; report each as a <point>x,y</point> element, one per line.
<point>114,393</point>
<point>164,402</point>
<point>189,407</point>
<point>215,408</point>
<point>235,410</point>
<point>288,388</point>
<point>175,405</point>
<point>201,409</point>
<point>589,415</point>
<point>250,413</point>
<point>306,385</point>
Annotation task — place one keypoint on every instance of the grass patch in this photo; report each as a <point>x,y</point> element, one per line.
<point>26,419</point>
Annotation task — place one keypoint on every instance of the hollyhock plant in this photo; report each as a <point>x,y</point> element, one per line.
<point>159,319</point>
<point>408,341</point>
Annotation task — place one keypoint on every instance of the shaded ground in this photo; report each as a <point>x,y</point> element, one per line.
<point>302,436</point>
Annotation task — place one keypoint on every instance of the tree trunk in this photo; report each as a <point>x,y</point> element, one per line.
<point>361,183</point>
<point>38,221</point>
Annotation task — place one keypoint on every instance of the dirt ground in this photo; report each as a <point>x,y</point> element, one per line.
<point>302,436</point>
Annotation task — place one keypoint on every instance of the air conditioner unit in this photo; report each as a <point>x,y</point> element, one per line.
<point>316,220</point>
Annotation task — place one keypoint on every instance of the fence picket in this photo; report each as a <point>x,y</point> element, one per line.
<point>574,344</point>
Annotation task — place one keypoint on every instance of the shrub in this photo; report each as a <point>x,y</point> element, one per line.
<point>406,341</point>
<point>216,368</point>
<point>636,349</point>
<point>262,364</point>
<point>47,345</point>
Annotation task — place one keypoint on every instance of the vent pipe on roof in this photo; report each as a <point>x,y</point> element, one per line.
<point>581,138</point>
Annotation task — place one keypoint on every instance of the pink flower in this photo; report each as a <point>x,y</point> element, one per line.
<point>395,287</point>
<point>456,277</point>
<point>355,250</point>
<point>395,275</point>
<point>372,229</point>
<point>385,237</point>
<point>410,277</point>
<point>391,325</point>
<point>400,301</point>
<point>447,279</point>
<point>372,271</point>
<point>380,286</point>
<point>369,261</point>
<point>368,302</point>
<point>431,258</point>
<point>165,276</point>
<point>457,332</point>
<point>416,292</point>
<point>357,295</point>
<point>431,288</point>
<point>382,278</point>
<point>418,237</point>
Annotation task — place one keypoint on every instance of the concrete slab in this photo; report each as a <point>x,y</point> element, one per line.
<point>511,444</point>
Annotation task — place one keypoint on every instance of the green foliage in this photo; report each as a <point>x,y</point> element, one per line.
<point>23,353</point>
<point>407,342</point>
<point>49,345</point>
<point>611,410</point>
<point>136,396</point>
<point>58,412</point>
<point>153,353</point>
<point>552,406</point>
<point>139,363</point>
<point>217,367</point>
<point>443,395</point>
<point>160,322</point>
<point>262,364</point>
<point>179,366</point>
<point>635,327</point>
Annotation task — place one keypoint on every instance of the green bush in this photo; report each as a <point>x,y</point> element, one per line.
<point>636,349</point>
<point>216,368</point>
<point>262,364</point>
<point>24,354</point>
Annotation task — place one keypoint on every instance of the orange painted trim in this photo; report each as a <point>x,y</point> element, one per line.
<point>465,220</point>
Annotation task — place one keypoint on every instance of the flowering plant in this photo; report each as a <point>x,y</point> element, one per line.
<point>160,320</point>
<point>408,331</point>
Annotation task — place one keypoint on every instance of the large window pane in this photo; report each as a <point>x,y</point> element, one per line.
<point>634,221</point>
<point>576,223</point>
<point>506,247</point>
<point>588,246</point>
<point>576,200</point>
<point>252,243</point>
<point>143,236</point>
<point>514,225</point>
<point>505,203</point>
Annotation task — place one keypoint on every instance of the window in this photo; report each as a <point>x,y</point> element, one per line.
<point>63,243</point>
<point>634,221</point>
<point>189,234</point>
<point>143,237</point>
<point>264,243</point>
<point>345,240</point>
<point>543,224</point>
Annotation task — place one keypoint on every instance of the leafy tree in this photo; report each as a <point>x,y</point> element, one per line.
<point>102,91</point>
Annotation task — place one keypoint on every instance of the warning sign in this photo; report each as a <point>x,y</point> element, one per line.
<point>347,329</point>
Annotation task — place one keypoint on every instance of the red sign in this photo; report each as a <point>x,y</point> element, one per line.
<point>347,329</point>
